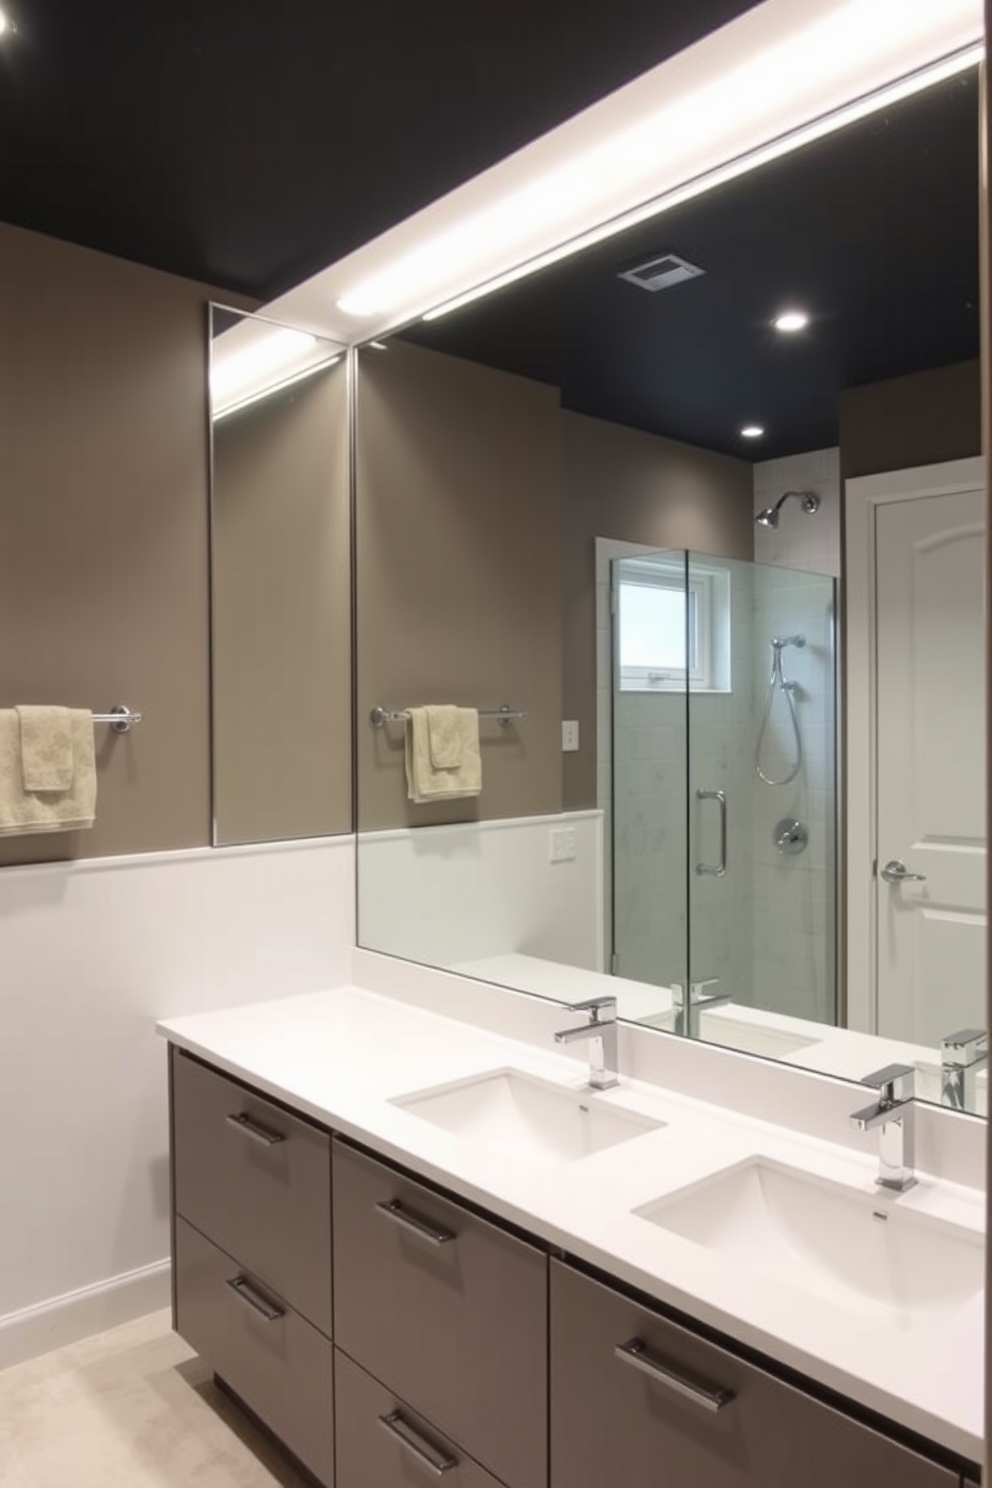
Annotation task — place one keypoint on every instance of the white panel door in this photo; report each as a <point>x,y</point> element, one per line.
<point>930,764</point>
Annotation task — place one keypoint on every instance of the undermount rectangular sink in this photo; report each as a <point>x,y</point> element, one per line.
<point>858,1250</point>
<point>752,1038</point>
<point>524,1117</point>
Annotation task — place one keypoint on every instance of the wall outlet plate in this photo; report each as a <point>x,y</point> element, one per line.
<point>569,735</point>
<point>563,846</point>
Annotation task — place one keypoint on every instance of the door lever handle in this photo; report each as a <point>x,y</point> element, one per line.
<point>895,872</point>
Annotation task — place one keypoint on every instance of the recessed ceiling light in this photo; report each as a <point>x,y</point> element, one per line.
<point>6,24</point>
<point>752,431</point>
<point>791,321</point>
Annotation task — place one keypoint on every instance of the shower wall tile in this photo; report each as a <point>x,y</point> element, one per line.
<point>793,903</point>
<point>800,541</point>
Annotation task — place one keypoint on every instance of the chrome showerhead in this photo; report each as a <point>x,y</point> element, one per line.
<point>808,500</point>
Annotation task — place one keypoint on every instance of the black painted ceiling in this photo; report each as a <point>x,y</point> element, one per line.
<point>249,143</point>
<point>873,230</point>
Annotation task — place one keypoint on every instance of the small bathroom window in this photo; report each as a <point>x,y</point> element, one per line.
<point>672,632</point>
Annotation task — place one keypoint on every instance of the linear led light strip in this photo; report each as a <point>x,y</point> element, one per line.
<point>223,410</point>
<point>907,44</point>
<point>267,351</point>
<point>722,175</point>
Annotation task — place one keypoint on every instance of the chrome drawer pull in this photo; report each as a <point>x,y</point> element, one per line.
<point>397,1425</point>
<point>255,1129</point>
<point>395,1210</point>
<point>710,1397</point>
<point>242,1287</point>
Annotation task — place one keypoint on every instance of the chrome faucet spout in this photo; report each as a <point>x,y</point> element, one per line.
<point>702,995</point>
<point>601,1033</point>
<point>962,1055</point>
<point>892,1116</point>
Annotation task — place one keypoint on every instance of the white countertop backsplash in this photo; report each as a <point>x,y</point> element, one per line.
<point>344,1055</point>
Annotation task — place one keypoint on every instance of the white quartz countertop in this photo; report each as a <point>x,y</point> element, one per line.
<point>343,1057</point>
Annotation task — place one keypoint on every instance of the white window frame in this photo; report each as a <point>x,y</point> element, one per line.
<point>709,590</point>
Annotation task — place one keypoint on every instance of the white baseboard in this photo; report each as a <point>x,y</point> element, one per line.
<point>61,1320</point>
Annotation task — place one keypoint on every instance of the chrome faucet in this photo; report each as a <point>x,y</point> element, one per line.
<point>961,1057</point>
<point>601,1031</point>
<point>688,1009</point>
<point>892,1116</point>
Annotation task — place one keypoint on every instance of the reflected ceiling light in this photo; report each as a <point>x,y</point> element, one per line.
<point>791,321</point>
<point>6,24</point>
<point>270,353</point>
<point>752,431</point>
<point>222,410</point>
<point>778,98</point>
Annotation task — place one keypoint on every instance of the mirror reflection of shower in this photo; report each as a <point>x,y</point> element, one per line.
<point>808,500</point>
<point>779,685</point>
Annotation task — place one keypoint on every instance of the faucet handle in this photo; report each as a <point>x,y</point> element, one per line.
<point>894,1083</point>
<point>603,1009</point>
<point>965,1046</point>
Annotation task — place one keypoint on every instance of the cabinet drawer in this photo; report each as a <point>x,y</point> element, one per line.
<point>279,1365</point>
<point>447,1310</point>
<point>381,1443</point>
<point>618,1421</point>
<point>257,1181</point>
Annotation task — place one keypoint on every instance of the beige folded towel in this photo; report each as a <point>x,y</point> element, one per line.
<point>23,811</point>
<point>453,737</point>
<point>46,748</point>
<point>450,731</point>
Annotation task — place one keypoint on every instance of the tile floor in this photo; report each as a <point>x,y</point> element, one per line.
<point>132,1408</point>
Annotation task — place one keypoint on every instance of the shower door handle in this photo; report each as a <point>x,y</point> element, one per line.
<point>715,870</point>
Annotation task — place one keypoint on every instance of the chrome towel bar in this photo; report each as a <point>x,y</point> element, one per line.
<point>379,717</point>
<point>121,718</point>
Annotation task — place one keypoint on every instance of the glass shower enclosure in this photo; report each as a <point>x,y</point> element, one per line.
<point>724,791</point>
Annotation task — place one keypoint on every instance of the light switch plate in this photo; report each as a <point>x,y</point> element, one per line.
<point>569,735</point>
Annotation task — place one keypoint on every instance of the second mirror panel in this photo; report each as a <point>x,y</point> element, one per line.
<point>281,589</point>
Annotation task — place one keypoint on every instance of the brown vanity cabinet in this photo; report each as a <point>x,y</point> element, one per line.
<point>257,1181</point>
<point>252,1254</point>
<point>382,1443</point>
<point>638,1400</point>
<point>446,1309</point>
<point>270,1356</point>
<point>460,1350</point>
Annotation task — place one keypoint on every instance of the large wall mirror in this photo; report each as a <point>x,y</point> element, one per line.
<point>624,514</point>
<point>281,587</point>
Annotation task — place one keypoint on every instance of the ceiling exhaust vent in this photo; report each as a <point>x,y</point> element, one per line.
<point>662,273</point>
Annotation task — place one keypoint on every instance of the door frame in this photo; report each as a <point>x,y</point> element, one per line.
<point>862,498</point>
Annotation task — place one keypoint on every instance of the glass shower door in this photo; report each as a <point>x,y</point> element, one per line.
<point>648,830</point>
<point>762,807</point>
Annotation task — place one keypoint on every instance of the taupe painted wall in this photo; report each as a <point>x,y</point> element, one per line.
<point>282,615</point>
<point>103,528</point>
<point>922,419</point>
<point>633,487</point>
<point>458,574</point>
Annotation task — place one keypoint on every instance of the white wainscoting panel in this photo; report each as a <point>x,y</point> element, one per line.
<point>446,895</point>
<point>91,954</point>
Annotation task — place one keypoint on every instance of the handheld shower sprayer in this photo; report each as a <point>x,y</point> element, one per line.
<point>777,683</point>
